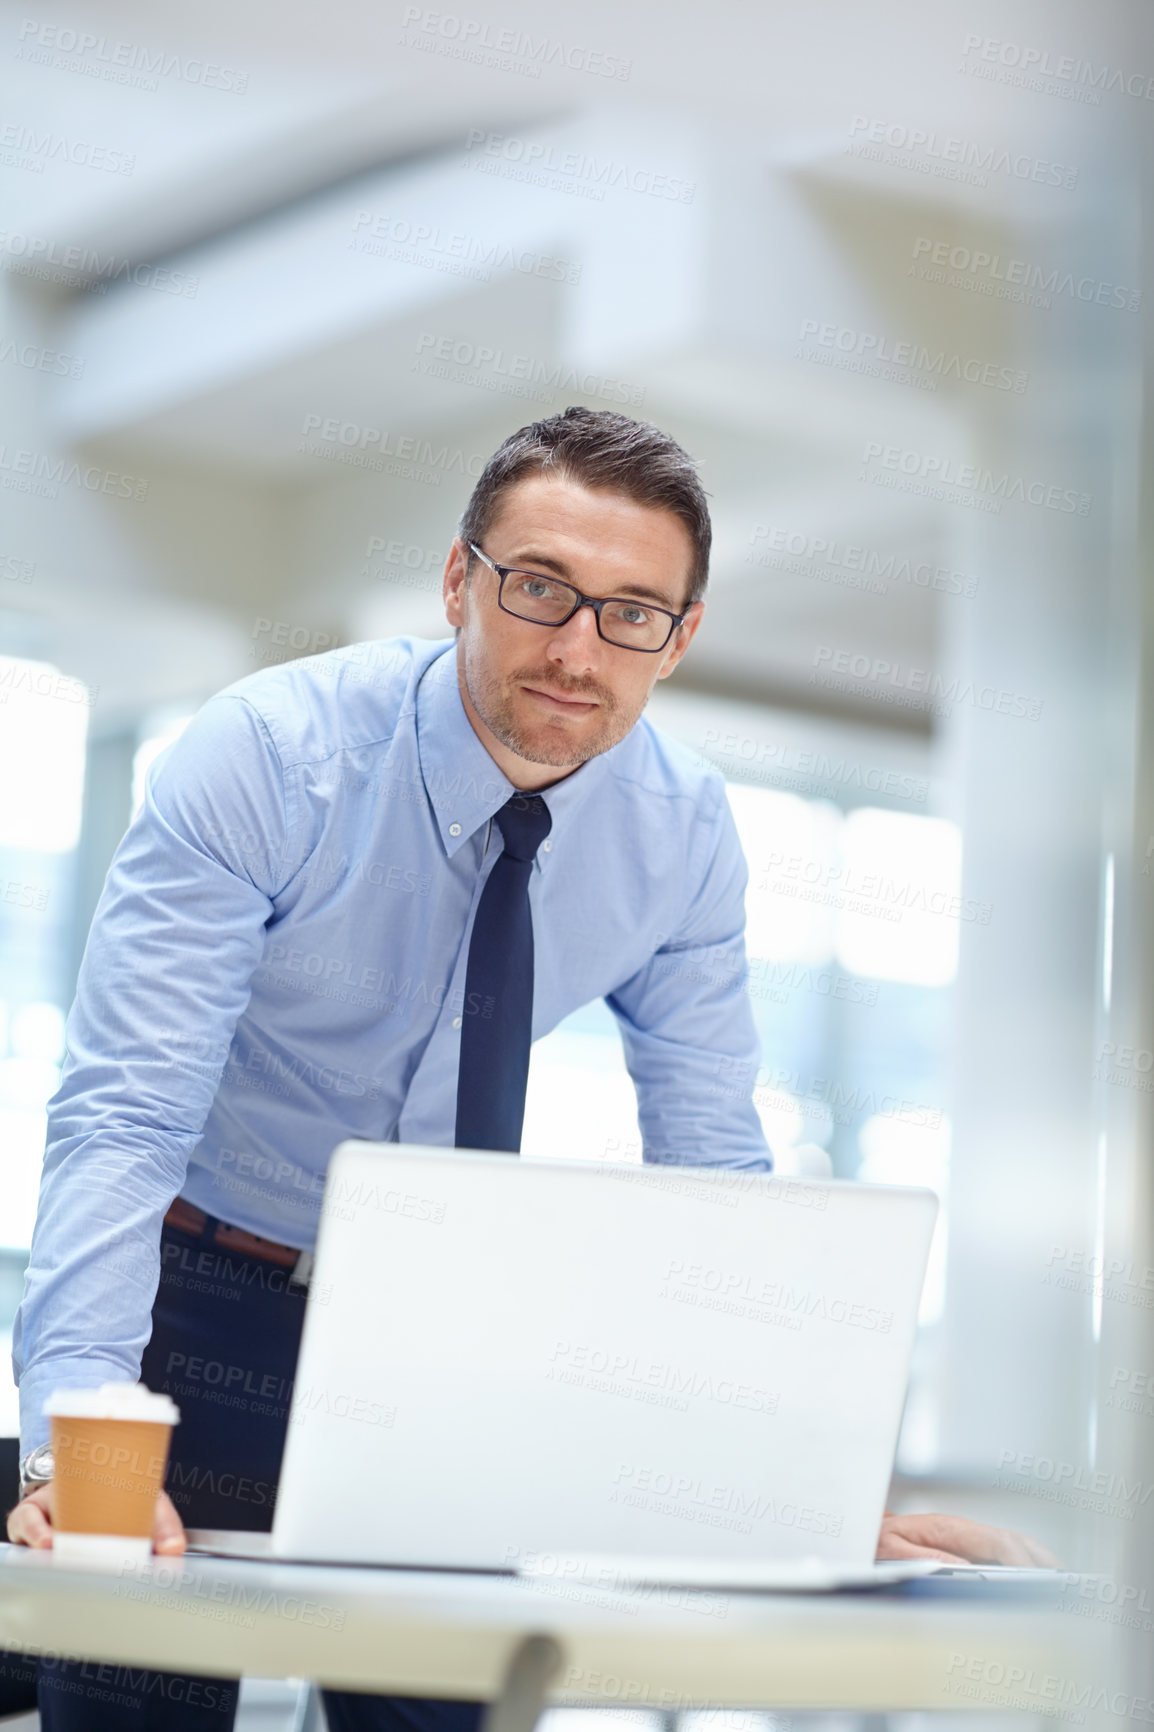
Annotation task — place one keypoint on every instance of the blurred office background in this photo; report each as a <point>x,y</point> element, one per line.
<point>276,281</point>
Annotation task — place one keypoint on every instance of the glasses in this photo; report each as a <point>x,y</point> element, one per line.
<point>633,625</point>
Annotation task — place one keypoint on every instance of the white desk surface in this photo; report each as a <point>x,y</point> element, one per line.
<point>411,1632</point>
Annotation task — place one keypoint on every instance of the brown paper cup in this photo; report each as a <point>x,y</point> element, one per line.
<point>108,1472</point>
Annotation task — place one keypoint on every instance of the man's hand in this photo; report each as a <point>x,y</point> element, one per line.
<point>954,1540</point>
<point>30,1523</point>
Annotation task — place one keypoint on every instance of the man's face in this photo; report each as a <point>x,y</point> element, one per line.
<point>555,696</point>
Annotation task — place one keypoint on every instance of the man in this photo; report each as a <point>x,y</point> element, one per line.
<point>358,885</point>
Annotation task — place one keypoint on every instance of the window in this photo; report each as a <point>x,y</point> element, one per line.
<point>852,927</point>
<point>43,731</point>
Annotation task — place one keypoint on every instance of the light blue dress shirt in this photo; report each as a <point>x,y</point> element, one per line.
<point>278,962</point>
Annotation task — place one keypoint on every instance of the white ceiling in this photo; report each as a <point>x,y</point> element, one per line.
<point>255,192</point>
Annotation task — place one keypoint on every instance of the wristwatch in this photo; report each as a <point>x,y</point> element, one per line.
<point>36,1469</point>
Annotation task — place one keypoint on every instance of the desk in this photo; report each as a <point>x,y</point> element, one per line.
<point>414,1632</point>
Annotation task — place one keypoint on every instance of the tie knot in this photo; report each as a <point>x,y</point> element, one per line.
<point>524,823</point>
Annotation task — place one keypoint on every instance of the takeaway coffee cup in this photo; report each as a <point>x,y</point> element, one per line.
<point>109,1448</point>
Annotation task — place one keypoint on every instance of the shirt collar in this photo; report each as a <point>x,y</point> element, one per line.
<point>463,783</point>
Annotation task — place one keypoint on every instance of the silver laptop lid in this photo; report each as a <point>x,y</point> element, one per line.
<point>503,1358</point>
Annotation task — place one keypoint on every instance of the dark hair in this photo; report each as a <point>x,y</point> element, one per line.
<point>599,449</point>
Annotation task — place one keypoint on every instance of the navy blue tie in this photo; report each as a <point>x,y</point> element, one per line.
<point>497,1024</point>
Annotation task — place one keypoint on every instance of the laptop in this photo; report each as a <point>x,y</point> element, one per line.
<point>550,1366</point>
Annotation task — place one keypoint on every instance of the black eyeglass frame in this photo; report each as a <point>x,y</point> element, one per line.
<point>504,571</point>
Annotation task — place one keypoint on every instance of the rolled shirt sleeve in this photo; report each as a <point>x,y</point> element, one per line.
<point>686,1023</point>
<point>166,974</point>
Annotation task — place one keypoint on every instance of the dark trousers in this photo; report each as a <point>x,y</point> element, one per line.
<point>226,1331</point>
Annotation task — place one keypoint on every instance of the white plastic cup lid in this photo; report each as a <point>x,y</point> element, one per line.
<point>113,1401</point>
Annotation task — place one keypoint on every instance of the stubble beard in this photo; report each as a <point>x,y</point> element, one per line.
<point>495,701</point>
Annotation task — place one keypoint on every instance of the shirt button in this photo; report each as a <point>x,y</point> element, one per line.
<point>456,1022</point>
<point>454,829</point>
<point>547,845</point>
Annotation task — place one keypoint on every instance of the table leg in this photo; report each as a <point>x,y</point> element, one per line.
<point>534,1662</point>
<point>308,1714</point>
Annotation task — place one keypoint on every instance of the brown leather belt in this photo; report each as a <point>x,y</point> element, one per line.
<point>187,1218</point>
